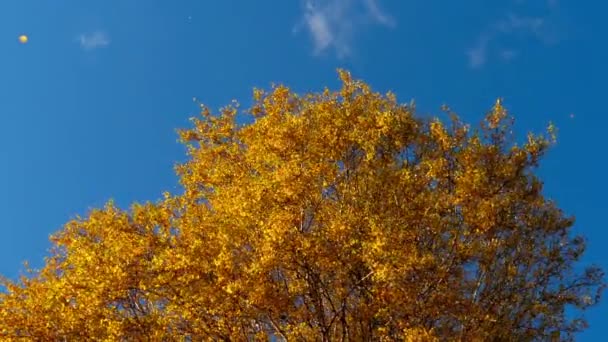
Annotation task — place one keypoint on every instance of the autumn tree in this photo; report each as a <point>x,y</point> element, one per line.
<point>332,216</point>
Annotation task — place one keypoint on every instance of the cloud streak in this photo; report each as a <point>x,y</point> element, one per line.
<point>94,40</point>
<point>334,24</point>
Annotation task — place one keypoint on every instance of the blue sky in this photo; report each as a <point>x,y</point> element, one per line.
<point>89,106</point>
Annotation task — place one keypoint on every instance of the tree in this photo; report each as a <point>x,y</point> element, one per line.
<point>333,216</point>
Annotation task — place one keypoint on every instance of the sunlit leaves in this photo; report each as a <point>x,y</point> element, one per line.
<point>333,216</point>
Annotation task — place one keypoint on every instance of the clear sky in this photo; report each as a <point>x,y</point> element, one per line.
<point>89,106</point>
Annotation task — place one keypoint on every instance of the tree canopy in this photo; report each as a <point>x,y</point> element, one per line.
<point>338,215</point>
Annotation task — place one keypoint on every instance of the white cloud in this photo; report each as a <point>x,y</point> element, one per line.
<point>377,14</point>
<point>514,23</point>
<point>94,40</point>
<point>318,24</point>
<point>510,26</point>
<point>477,54</point>
<point>546,28</point>
<point>508,55</point>
<point>333,24</point>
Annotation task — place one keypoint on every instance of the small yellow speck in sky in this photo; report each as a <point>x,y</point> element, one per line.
<point>23,39</point>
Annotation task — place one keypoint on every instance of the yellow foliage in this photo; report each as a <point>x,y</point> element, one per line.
<point>333,216</point>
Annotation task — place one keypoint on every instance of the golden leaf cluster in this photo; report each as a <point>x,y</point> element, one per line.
<point>333,216</point>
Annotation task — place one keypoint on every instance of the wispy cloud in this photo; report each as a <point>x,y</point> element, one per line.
<point>512,25</point>
<point>94,40</point>
<point>377,14</point>
<point>333,24</point>
<point>508,55</point>
<point>477,54</point>
<point>534,26</point>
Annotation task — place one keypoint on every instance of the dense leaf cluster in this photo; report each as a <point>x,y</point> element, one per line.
<point>333,216</point>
